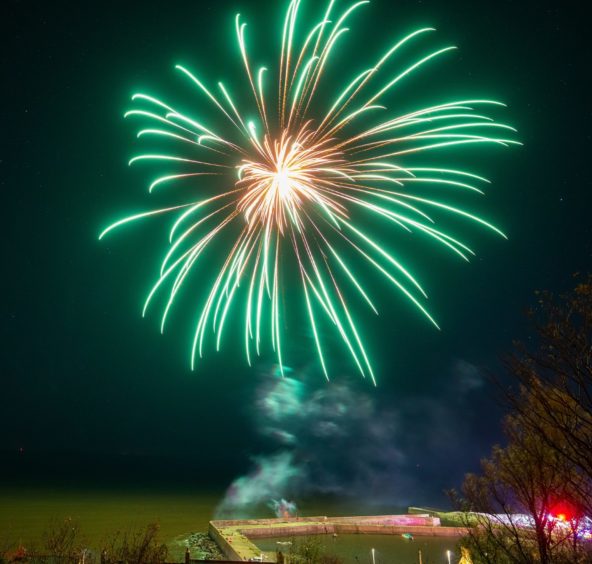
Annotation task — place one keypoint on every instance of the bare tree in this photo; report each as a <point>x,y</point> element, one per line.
<point>557,373</point>
<point>530,499</point>
<point>512,504</point>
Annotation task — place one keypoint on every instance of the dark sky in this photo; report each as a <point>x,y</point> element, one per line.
<point>81,372</point>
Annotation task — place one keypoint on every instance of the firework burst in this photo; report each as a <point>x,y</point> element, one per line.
<point>295,180</point>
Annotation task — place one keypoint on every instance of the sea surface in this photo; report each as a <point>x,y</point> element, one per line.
<point>27,511</point>
<point>107,494</point>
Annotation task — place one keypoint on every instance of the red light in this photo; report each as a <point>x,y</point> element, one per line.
<point>564,511</point>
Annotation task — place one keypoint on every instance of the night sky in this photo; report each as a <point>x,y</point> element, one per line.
<point>83,375</point>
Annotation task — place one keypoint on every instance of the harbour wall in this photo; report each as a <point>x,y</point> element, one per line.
<point>233,536</point>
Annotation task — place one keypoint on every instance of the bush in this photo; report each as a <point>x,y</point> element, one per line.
<point>136,546</point>
<point>63,539</point>
<point>310,550</point>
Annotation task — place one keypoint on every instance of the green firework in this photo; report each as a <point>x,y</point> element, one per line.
<point>301,183</point>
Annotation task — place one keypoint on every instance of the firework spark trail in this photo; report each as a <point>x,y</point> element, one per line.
<point>298,182</point>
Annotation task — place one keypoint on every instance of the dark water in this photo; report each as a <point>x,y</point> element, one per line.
<point>26,512</point>
<point>105,496</point>
<point>357,549</point>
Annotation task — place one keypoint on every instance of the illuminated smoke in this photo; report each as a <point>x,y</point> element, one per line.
<point>283,508</point>
<point>330,440</point>
<point>271,477</point>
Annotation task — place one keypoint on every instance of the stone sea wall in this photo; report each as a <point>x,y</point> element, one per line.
<point>233,537</point>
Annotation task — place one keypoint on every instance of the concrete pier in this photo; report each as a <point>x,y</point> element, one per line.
<point>233,537</point>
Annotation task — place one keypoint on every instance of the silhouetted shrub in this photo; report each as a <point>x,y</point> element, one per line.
<point>136,546</point>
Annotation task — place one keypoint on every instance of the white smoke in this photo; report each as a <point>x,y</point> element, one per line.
<point>329,440</point>
<point>271,477</point>
<point>283,508</point>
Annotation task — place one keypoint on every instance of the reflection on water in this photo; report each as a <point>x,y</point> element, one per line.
<point>388,549</point>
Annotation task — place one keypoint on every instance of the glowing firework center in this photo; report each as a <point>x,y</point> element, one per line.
<point>288,176</point>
